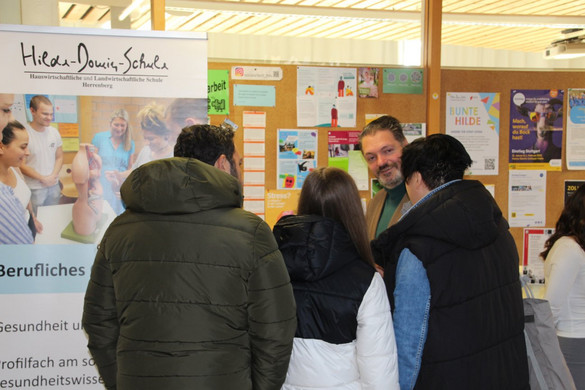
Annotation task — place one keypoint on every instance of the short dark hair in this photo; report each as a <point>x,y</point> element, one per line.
<point>206,143</point>
<point>8,132</point>
<point>384,123</point>
<point>439,158</point>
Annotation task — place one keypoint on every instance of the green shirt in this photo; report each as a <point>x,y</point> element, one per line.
<point>393,198</point>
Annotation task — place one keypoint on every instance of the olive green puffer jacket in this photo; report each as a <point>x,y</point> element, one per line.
<point>188,291</point>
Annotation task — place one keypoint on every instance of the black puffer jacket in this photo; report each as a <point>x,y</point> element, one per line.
<point>188,291</point>
<point>327,274</point>
<point>475,334</point>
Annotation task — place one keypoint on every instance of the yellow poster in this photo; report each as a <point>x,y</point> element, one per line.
<point>279,203</point>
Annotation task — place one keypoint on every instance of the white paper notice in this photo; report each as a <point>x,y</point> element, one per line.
<point>527,198</point>
<point>255,119</point>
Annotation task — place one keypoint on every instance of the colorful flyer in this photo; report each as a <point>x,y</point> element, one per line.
<point>344,153</point>
<point>576,129</point>
<point>536,129</point>
<point>279,203</point>
<point>474,119</point>
<point>296,157</point>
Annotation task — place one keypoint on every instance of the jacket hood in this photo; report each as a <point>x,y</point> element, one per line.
<point>313,247</point>
<point>179,186</point>
<point>464,214</point>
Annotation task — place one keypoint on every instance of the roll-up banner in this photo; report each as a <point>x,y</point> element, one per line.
<point>93,81</point>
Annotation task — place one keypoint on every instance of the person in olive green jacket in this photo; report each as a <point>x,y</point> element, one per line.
<point>189,291</point>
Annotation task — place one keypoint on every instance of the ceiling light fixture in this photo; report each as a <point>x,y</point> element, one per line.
<point>572,45</point>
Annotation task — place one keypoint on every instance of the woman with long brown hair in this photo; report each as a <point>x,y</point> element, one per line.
<point>564,270</point>
<point>344,336</point>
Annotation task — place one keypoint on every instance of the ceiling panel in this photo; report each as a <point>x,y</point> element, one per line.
<point>522,25</point>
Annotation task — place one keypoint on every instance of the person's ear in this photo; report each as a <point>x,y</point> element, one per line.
<point>415,178</point>
<point>222,163</point>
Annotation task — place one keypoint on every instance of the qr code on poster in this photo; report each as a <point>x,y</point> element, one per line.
<point>489,164</point>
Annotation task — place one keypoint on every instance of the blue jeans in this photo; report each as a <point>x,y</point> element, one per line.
<point>45,196</point>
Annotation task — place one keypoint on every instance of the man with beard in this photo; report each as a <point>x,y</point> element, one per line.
<point>381,143</point>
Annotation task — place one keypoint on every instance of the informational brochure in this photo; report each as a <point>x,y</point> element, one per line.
<point>532,263</point>
<point>474,119</point>
<point>326,97</point>
<point>526,198</point>
<point>576,129</point>
<point>296,157</point>
<point>344,154</point>
<point>536,129</point>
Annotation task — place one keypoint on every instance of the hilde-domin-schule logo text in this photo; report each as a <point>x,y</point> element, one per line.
<point>83,61</point>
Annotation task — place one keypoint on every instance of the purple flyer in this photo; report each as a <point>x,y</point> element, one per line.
<point>536,128</point>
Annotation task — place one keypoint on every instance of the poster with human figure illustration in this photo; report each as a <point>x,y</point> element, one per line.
<point>536,129</point>
<point>326,97</point>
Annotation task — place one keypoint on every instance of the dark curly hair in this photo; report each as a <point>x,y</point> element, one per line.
<point>206,143</point>
<point>439,158</point>
<point>571,222</point>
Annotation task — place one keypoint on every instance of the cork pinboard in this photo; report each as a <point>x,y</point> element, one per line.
<point>407,108</point>
<point>411,108</point>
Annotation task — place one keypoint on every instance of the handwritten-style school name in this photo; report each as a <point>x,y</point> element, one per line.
<point>83,61</point>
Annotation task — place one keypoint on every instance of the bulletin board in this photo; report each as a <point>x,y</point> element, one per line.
<point>503,82</point>
<point>411,108</point>
<point>407,108</point>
